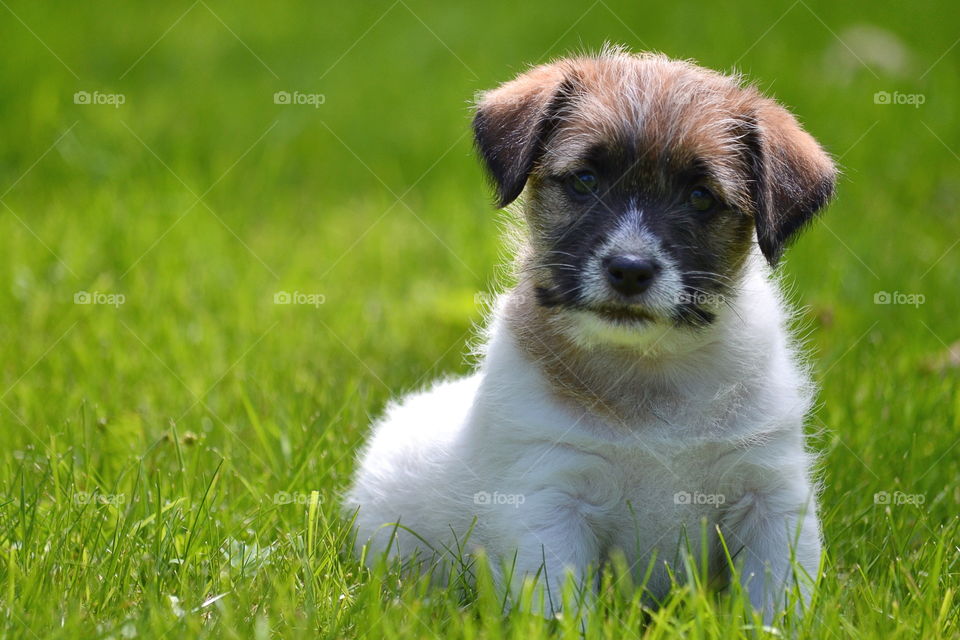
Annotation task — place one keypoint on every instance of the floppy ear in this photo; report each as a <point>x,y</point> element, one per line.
<point>794,178</point>
<point>511,124</point>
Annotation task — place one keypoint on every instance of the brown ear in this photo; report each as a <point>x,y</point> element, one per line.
<point>511,124</point>
<point>794,178</point>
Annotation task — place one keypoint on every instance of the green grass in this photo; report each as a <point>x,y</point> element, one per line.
<point>145,447</point>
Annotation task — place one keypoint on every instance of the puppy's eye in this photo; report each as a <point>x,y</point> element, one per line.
<point>702,200</point>
<point>583,183</point>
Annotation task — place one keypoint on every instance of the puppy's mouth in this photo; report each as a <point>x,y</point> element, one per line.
<point>627,316</point>
<point>634,316</point>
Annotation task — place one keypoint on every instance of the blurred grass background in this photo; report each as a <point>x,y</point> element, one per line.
<point>186,409</point>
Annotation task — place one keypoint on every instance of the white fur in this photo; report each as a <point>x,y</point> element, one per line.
<point>567,488</point>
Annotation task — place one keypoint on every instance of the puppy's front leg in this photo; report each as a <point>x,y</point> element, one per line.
<point>553,546</point>
<point>763,531</point>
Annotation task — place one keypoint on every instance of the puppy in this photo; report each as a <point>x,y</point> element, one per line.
<point>638,392</point>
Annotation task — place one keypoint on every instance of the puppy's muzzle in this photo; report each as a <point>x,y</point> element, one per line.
<point>630,275</point>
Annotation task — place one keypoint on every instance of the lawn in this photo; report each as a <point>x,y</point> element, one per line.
<point>175,437</point>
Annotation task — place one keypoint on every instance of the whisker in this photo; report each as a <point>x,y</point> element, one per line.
<point>555,265</point>
<point>709,273</point>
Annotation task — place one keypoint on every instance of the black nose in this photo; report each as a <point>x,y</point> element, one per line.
<point>629,275</point>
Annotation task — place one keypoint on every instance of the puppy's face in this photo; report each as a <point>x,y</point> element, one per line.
<point>648,182</point>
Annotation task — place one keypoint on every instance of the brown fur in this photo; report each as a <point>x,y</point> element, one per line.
<point>683,109</point>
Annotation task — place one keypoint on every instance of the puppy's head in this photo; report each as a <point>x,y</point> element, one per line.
<point>648,181</point>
